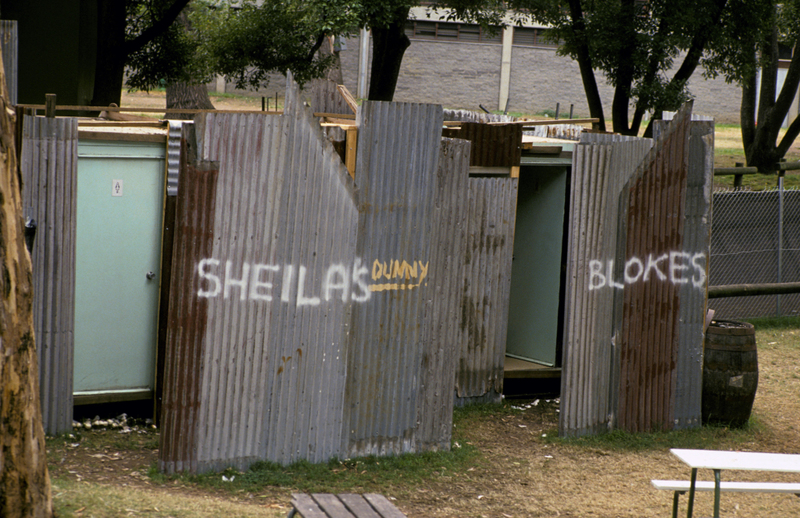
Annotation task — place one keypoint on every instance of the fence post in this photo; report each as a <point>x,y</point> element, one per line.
<point>737,178</point>
<point>780,238</point>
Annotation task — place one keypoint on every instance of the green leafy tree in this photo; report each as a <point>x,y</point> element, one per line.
<point>250,42</point>
<point>636,44</point>
<point>749,52</point>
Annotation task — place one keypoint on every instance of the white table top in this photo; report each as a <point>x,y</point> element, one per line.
<point>742,460</point>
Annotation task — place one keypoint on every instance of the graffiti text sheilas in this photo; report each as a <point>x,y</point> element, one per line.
<point>255,282</point>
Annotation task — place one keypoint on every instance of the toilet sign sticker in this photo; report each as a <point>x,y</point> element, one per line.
<point>116,187</point>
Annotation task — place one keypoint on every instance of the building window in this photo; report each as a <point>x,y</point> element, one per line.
<point>449,31</point>
<point>532,37</point>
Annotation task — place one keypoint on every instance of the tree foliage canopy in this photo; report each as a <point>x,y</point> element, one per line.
<point>757,35</point>
<point>637,45</point>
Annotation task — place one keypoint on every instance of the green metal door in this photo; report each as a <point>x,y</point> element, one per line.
<point>118,243</point>
<point>536,269</point>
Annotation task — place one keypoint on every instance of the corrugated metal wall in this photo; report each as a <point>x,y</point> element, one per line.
<point>633,275</point>
<point>49,168</point>
<point>310,318</point>
<point>397,172</point>
<point>489,249</point>
<point>599,172</point>
<point>653,205</point>
<point>487,283</point>
<point>278,222</point>
<point>693,301</point>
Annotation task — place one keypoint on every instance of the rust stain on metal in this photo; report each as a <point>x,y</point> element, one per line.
<point>650,330</point>
<point>194,237</point>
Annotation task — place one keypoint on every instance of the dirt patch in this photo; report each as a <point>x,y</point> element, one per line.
<point>523,469</point>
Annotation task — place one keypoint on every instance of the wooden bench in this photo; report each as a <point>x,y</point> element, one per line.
<point>682,486</point>
<point>324,505</point>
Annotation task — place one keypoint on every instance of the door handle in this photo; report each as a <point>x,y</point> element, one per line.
<point>150,276</point>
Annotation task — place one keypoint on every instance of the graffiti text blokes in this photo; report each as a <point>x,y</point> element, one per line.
<point>672,267</point>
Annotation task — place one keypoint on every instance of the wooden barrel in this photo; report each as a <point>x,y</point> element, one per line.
<point>730,373</point>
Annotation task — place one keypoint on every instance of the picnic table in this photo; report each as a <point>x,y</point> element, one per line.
<point>734,460</point>
<point>325,505</point>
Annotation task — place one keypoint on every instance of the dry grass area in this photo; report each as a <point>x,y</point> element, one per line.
<point>517,466</point>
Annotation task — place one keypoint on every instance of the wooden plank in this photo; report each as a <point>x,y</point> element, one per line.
<point>119,136</point>
<point>332,506</point>
<point>306,506</point>
<point>348,97</point>
<point>515,171</point>
<point>358,506</point>
<point>152,123</point>
<point>384,507</point>
<point>333,121</point>
<point>477,170</point>
<point>346,116</point>
<point>50,106</point>
<point>73,108</point>
<point>747,290</point>
<point>541,150</point>
<point>351,141</point>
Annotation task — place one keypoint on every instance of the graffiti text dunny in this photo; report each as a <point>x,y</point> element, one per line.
<point>673,267</point>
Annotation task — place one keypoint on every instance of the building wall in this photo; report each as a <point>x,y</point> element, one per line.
<point>466,75</point>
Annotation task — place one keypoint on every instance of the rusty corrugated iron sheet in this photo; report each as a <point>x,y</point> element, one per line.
<point>49,166</point>
<point>310,319</point>
<point>488,253</point>
<point>442,335</point>
<point>399,228</point>
<point>697,245</point>
<point>492,145</point>
<point>654,208</point>
<point>599,173</point>
<point>636,281</point>
<point>261,312</point>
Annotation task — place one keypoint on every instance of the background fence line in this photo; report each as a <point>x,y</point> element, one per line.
<point>755,239</point>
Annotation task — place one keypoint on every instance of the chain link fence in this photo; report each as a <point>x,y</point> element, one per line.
<point>755,239</point>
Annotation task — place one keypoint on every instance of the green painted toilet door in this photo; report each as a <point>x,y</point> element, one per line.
<point>118,244</point>
<point>536,269</point>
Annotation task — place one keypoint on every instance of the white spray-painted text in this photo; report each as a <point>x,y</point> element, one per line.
<point>673,267</point>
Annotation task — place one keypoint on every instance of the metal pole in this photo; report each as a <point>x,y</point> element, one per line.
<point>363,63</point>
<point>780,238</point>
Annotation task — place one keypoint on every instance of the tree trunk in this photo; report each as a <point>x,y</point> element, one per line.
<point>113,50</point>
<point>187,96</point>
<point>585,65</point>
<point>24,480</point>
<point>110,65</point>
<point>183,95</point>
<point>625,69</point>
<point>388,46</point>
